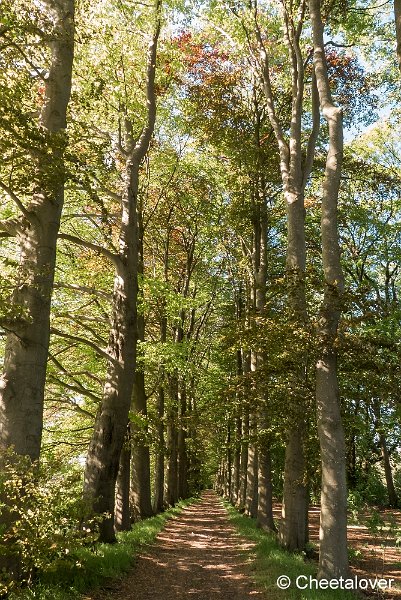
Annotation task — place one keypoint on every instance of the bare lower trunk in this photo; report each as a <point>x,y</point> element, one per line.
<point>392,494</point>
<point>333,556</point>
<point>22,382</point>
<point>294,533</point>
<point>172,460</point>
<point>141,501</point>
<point>141,504</point>
<point>182,444</point>
<point>251,504</point>
<point>158,502</point>
<point>237,462</point>
<point>265,489</point>
<point>122,519</point>
<point>244,458</point>
<point>294,528</point>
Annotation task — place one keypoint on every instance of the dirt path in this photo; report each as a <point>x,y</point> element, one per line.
<point>196,556</point>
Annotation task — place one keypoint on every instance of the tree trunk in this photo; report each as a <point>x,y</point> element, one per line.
<point>122,520</point>
<point>294,532</point>
<point>333,556</point>
<point>392,494</point>
<point>251,504</point>
<point>112,417</point>
<point>237,462</point>
<point>172,443</point>
<point>244,458</point>
<point>22,383</point>
<point>141,502</point>
<point>265,489</point>
<point>182,444</point>
<point>158,502</point>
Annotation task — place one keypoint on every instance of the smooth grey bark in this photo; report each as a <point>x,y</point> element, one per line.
<point>172,462</point>
<point>236,462</point>
<point>259,260</point>
<point>182,443</point>
<point>265,487</point>
<point>22,382</point>
<point>111,420</point>
<point>172,443</point>
<point>141,500</point>
<point>158,501</point>
<point>236,492</point>
<point>228,463</point>
<point>251,503</point>
<point>244,458</point>
<point>122,517</point>
<point>333,555</point>
<point>295,503</point>
<point>195,470</point>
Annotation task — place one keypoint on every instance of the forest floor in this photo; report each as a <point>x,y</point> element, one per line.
<point>197,555</point>
<point>372,541</point>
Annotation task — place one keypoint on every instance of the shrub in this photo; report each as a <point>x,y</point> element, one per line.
<point>44,518</point>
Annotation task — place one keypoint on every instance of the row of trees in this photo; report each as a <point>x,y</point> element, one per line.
<point>177,201</point>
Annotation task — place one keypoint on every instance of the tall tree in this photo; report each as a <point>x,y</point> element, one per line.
<point>24,373</point>
<point>295,168</point>
<point>111,420</point>
<point>333,553</point>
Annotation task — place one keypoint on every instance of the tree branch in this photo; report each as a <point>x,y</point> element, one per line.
<point>114,258</point>
<point>310,151</point>
<point>142,144</point>
<point>271,110</point>
<point>28,215</point>
<point>79,389</point>
<point>84,341</point>
<point>9,227</point>
<point>83,288</point>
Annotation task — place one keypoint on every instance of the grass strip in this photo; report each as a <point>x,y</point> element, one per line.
<point>269,561</point>
<point>92,567</point>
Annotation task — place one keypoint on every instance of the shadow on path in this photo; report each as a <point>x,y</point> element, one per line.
<point>197,556</point>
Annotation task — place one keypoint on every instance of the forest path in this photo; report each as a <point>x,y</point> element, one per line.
<point>197,556</point>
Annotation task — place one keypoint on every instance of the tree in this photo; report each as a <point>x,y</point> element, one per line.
<point>36,227</point>
<point>111,420</point>
<point>295,168</point>
<point>333,555</point>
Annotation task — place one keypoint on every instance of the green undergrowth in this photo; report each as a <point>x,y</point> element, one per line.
<point>269,561</point>
<point>96,566</point>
